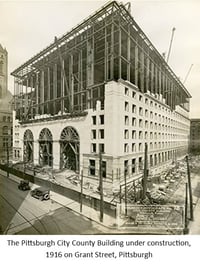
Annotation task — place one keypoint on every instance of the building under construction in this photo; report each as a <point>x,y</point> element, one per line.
<point>101,87</point>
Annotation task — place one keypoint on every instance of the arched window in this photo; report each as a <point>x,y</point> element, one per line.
<point>46,147</point>
<point>28,146</point>
<point>69,149</point>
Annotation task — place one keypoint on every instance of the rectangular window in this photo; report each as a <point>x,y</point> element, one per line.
<point>140,111</point>
<point>94,122</point>
<point>133,147</point>
<point>94,149</point>
<point>126,147</point>
<point>101,133</point>
<point>133,121</point>
<point>126,91</point>
<point>133,94</point>
<point>126,120</point>
<point>101,148</point>
<point>126,106</point>
<point>133,165</point>
<point>92,167</point>
<point>134,109</point>
<point>140,164</point>
<point>133,134</point>
<point>126,134</point>
<point>140,147</point>
<point>151,160</point>
<point>93,134</point>
<point>126,167</point>
<point>101,117</point>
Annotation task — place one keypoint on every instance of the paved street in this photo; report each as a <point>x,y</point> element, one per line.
<point>22,214</point>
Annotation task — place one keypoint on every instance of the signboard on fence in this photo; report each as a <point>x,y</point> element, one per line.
<point>155,217</point>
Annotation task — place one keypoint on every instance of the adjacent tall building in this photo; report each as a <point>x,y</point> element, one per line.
<point>195,136</point>
<point>102,87</point>
<point>5,109</point>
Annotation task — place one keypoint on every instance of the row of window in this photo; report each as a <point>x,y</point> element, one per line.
<point>94,171</point>
<point>100,148</point>
<point>156,145</point>
<point>96,135</point>
<point>142,99</point>
<point>6,119</point>
<point>137,165</point>
<point>99,121</point>
<point>152,125</point>
<point>147,113</point>
<point>147,101</point>
<point>151,135</point>
<point>16,153</point>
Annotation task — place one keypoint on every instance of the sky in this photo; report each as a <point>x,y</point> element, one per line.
<point>27,27</point>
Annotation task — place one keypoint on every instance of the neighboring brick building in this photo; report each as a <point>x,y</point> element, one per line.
<point>101,87</point>
<point>5,109</point>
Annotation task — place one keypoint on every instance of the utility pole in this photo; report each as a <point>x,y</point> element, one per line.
<point>125,190</point>
<point>145,172</point>
<point>101,186</point>
<point>81,200</point>
<point>7,153</point>
<point>185,231</point>
<point>190,190</point>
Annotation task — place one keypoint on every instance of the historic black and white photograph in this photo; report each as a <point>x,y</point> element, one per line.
<point>99,117</point>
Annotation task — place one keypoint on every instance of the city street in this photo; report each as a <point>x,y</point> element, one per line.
<point>22,214</point>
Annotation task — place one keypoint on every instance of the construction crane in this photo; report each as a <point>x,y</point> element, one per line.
<point>170,46</point>
<point>188,73</point>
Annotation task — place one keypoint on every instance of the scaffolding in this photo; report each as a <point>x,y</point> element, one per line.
<point>68,76</point>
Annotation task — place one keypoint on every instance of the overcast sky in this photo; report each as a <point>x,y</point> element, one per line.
<point>26,27</point>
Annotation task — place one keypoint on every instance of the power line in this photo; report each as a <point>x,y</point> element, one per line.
<point>19,213</point>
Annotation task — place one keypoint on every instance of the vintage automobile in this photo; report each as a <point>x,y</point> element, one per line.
<point>41,193</point>
<point>24,185</point>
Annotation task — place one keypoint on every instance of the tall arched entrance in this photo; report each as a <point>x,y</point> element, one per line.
<point>45,147</point>
<point>28,146</point>
<point>69,149</point>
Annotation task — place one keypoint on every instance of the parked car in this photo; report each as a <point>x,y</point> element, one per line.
<point>24,185</point>
<point>41,193</point>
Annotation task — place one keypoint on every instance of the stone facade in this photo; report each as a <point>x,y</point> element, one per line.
<point>5,109</point>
